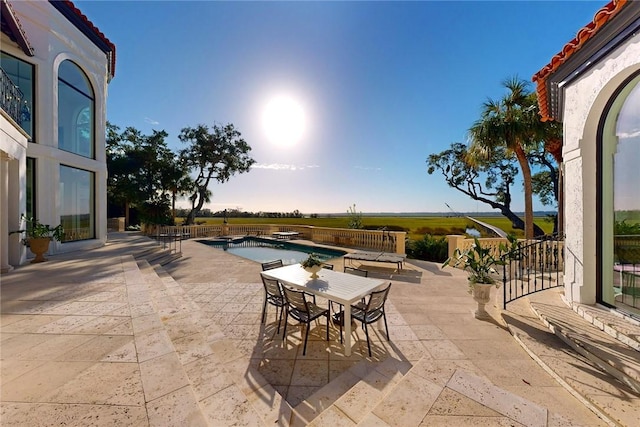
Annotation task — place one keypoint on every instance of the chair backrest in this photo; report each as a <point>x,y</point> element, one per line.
<point>356,271</point>
<point>328,266</point>
<point>377,299</point>
<point>296,299</point>
<point>272,287</point>
<point>272,264</point>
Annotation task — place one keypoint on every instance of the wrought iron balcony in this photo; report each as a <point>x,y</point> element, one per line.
<point>11,100</point>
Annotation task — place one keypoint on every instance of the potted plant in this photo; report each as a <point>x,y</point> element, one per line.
<point>312,264</point>
<point>38,236</point>
<point>480,263</point>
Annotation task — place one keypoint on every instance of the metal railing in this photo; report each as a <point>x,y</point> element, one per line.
<point>627,269</point>
<point>12,97</point>
<point>536,265</point>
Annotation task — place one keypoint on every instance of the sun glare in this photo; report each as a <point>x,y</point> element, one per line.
<point>283,121</point>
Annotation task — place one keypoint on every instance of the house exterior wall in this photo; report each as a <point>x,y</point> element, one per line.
<point>584,106</point>
<point>13,155</point>
<point>54,39</point>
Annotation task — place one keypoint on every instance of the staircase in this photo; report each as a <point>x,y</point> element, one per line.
<point>188,375</point>
<point>593,353</point>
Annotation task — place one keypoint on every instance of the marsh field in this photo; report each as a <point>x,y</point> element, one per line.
<point>415,226</point>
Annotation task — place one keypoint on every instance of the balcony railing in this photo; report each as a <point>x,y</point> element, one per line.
<point>12,97</point>
<point>373,240</point>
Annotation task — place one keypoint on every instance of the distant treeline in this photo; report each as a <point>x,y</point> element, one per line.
<point>239,213</point>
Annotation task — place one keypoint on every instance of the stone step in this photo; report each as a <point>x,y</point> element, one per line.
<point>149,251</point>
<point>622,327</point>
<point>167,384</point>
<point>438,382</point>
<point>353,394</point>
<point>158,255</point>
<point>604,394</point>
<point>608,353</point>
<point>223,394</point>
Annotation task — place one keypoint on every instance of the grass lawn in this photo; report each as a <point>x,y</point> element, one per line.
<point>416,227</point>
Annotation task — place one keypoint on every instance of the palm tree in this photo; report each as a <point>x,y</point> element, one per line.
<point>512,123</point>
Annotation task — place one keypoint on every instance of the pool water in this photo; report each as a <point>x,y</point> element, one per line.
<point>263,250</point>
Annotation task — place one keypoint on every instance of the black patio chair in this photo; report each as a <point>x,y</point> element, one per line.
<point>303,311</point>
<point>272,264</point>
<point>356,271</point>
<point>338,314</point>
<point>273,296</point>
<point>327,266</point>
<point>371,310</point>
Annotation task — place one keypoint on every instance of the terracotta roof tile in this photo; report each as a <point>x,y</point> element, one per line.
<point>601,17</point>
<point>99,33</point>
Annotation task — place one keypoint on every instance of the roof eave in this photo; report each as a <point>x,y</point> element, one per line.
<point>16,29</point>
<point>82,23</point>
<point>580,54</point>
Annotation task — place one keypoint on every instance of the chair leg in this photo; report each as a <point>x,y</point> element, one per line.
<point>328,322</point>
<point>340,310</point>
<point>280,318</point>
<point>384,316</point>
<point>306,336</point>
<point>264,310</point>
<point>366,332</point>
<point>286,320</point>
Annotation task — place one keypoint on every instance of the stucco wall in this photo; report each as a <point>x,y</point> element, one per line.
<point>585,101</point>
<point>54,40</point>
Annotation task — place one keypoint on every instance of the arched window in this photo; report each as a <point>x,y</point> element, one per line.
<point>75,111</point>
<point>620,200</point>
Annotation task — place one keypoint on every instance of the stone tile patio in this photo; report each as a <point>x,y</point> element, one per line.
<point>96,338</point>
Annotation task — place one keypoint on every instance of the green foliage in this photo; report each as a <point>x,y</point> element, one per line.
<point>512,123</point>
<point>355,218</point>
<point>428,249</point>
<point>416,226</point>
<point>215,154</point>
<point>623,228</point>
<point>157,212</point>
<point>480,262</point>
<point>143,173</point>
<point>36,230</point>
<point>311,261</point>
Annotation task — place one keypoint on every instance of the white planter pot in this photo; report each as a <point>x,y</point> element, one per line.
<point>482,295</point>
<point>313,270</point>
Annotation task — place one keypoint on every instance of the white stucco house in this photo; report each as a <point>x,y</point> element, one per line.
<point>592,86</point>
<point>56,66</point>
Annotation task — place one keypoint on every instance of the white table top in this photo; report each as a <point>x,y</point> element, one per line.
<point>334,285</point>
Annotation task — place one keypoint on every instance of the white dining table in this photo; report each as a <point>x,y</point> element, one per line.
<point>336,286</point>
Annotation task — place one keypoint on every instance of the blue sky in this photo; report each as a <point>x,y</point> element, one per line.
<point>381,84</point>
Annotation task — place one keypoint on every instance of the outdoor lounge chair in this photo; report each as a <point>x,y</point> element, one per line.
<point>371,311</point>
<point>272,264</point>
<point>303,311</point>
<point>273,296</point>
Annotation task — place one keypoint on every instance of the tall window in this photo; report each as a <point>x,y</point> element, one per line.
<point>22,75</point>
<point>621,200</point>
<point>31,188</point>
<point>75,111</point>
<point>77,202</point>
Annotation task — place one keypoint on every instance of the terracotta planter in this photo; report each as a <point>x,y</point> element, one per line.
<point>482,295</point>
<point>39,246</point>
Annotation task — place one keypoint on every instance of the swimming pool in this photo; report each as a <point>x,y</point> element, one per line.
<point>263,250</point>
